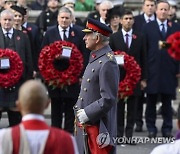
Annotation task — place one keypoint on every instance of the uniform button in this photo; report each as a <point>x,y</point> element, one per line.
<point>88,80</point>
<point>85,89</point>
<point>47,20</point>
<point>100,62</point>
<point>93,70</point>
<point>13,87</point>
<point>81,99</point>
<point>47,14</point>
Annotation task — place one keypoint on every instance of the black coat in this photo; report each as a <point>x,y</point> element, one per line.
<point>162,69</point>
<point>22,47</point>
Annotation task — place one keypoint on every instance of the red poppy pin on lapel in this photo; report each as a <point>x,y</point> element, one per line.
<point>134,36</point>
<point>72,33</point>
<point>18,38</point>
<point>29,28</point>
<point>93,56</point>
<point>170,24</point>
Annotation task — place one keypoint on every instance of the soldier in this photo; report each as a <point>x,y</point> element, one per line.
<point>48,17</point>
<point>96,105</point>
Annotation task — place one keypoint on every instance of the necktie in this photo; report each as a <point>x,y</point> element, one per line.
<point>7,38</point>
<point>64,35</point>
<point>148,20</point>
<point>127,40</point>
<point>163,31</point>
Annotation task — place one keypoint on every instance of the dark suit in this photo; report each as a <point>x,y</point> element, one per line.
<point>19,43</point>
<point>35,36</point>
<point>139,22</point>
<point>67,97</point>
<point>162,70</point>
<point>138,51</point>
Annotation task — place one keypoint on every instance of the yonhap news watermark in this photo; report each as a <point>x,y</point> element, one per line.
<point>143,140</point>
<point>103,139</point>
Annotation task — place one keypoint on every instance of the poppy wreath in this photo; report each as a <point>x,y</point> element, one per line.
<point>53,76</point>
<point>133,75</point>
<point>11,76</point>
<point>174,49</point>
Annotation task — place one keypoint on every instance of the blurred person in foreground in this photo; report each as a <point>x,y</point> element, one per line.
<point>97,101</point>
<point>33,135</point>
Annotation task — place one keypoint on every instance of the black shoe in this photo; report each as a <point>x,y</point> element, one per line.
<point>167,135</point>
<point>130,141</point>
<point>138,129</point>
<point>152,135</point>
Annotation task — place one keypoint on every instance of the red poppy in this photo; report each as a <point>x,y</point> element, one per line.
<point>174,48</point>
<point>72,33</point>
<point>14,73</point>
<point>134,36</point>
<point>18,38</point>
<point>51,75</point>
<point>133,75</point>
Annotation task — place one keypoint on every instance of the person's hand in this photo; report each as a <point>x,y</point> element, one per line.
<point>34,74</point>
<point>82,117</point>
<point>143,84</point>
<point>178,75</point>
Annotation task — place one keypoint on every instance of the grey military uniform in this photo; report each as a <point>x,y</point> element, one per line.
<point>98,93</point>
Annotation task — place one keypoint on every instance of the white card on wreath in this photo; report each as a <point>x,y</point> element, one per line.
<point>66,52</point>
<point>5,63</point>
<point>120,59</point>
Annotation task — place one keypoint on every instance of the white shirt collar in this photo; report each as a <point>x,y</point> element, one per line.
<point>129,32</point>
<point>147,18</point>
<point>61,29</point>
<point>160,22</point>
<point>10,31</point>
<point>32,117</point>
<point>25,25</point>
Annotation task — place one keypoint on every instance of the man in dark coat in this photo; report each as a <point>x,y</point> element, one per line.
<point>96,103</point>
<point>135,46</point>
<point>162,70</point>
<point>18,42</point>
<point>149,8</point>
<point>63,100</point>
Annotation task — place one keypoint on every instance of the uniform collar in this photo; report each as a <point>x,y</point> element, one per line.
<point>96,54</point>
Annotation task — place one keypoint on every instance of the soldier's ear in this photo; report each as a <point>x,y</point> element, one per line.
<point>98,38</point>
